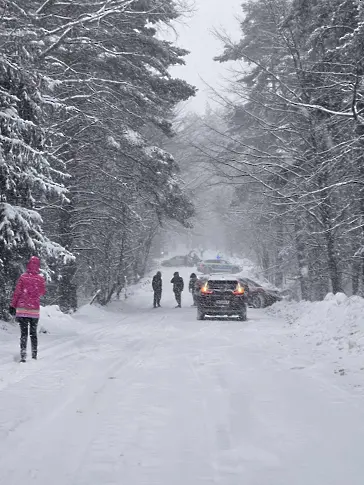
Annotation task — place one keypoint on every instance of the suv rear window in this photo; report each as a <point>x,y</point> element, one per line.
<point>222,285</point>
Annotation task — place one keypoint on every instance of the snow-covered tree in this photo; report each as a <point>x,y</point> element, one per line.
<point>297,137</point>
<point>81,83</point>
<point>111,68</point>
<point>31,174</point>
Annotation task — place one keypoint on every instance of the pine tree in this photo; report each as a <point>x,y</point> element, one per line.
<point>110,67</point>
<point>30,174</point>
<point>303,96</point>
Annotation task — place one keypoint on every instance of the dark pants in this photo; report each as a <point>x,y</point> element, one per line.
<point>28,325</point>
<point>157,298</point>
<point>178,295</point>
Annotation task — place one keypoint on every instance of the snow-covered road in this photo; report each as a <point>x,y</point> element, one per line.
<point>138,396</point>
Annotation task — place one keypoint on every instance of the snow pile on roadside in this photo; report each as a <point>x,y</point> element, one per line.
<point>52,320</point>
<point>337,321</point>
<point>58,323</point>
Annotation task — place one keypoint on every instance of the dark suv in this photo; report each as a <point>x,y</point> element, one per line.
<point>221,295</point>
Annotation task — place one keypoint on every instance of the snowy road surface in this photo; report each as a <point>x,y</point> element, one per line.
<point>139,396</point>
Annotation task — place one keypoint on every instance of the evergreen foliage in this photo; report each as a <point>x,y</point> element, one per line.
<point>298,133</point>
<point>80,84</point>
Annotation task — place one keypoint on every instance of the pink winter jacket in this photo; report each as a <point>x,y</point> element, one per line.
<point>29,289</point>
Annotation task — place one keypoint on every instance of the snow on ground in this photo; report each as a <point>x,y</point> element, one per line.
<point>132,395</point>
<point>333,331</point>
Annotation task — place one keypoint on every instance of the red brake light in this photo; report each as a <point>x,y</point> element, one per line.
<point>239,290</point>
<point>205,290</point>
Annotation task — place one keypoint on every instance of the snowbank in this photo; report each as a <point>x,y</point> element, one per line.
<point>52,320</point>
<point>337,321</point>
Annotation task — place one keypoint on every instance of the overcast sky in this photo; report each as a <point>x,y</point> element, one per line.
<point>195,35</point>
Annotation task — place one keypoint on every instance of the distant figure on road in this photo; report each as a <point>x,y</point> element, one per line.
<point>25,305</point>
<point>178,286</point>
<point>192,286</point>
<point>157,288</point>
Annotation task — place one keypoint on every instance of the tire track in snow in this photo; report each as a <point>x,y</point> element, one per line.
<point>52,376</point>
<point>13,373</point>
<point>65,412</point>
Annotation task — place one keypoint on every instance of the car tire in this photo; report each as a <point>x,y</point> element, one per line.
<point>257,301</point>
<point>200,315</point>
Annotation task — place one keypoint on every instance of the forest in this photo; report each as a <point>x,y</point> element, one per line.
<point>98,159</point>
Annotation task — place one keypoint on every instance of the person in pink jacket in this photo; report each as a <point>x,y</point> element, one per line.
<point>25,304</point>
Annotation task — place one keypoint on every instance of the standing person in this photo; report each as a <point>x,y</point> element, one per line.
<point>26,306</point>
<point>192,286</point>
<point>178,286</point>
<point>157,288</point>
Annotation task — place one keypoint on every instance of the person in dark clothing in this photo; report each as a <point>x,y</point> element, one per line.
<point>157,288</point>
<point>192,287</point>
<point>178,286</point>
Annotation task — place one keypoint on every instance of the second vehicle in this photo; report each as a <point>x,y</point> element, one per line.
<point>259,296</point>
<point>217,266</point>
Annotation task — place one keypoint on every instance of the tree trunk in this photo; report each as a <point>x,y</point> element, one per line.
<point>302,262</point>
<point>278,274</point>
<point>355,278</point>
<point>333,266</point>
<point>67,286</point>
<point>332,262</point>
<point>326,209</point>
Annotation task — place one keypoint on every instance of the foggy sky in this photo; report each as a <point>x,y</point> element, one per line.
<point>195,35</point>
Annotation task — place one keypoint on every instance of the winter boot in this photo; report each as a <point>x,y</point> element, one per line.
<point>23,354</point>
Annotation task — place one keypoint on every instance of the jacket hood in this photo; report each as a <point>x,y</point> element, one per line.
<point>159,274</point>
<point>33,265</point>
<point>176,273</point>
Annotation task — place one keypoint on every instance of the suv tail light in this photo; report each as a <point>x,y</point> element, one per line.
<point>205,290</point>
<point>239,290</point>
